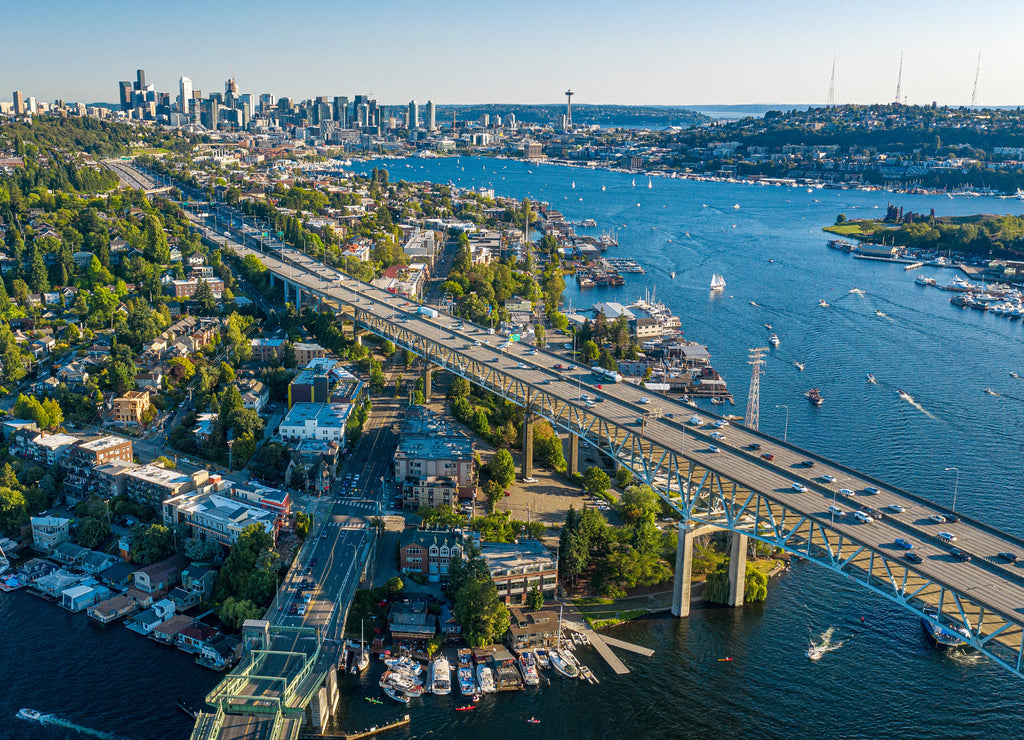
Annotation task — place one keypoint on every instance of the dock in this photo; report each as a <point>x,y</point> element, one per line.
<point>369,732</point>
<point>601,644</point>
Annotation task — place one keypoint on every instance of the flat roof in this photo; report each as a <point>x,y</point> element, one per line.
<point>160,476</point>
<point>323,414</point>
<point>103,443</point>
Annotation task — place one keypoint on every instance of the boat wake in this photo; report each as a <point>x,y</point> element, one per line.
<point>55,721</point>
<point>824,644</point>
<point>904,396</point>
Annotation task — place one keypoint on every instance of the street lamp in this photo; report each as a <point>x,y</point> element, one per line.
<point>785,432</point>
<point>956,485</point>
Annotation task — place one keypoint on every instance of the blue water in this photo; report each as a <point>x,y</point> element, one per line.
<point>886,682</point>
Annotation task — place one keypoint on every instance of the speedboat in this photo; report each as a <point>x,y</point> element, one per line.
<point>823,303</point>
<point>799,366</point>
<point>396,694</point>
<point>1013,374</point>
<point>774,340</point>
<point>904,396</point>
<point>871,378</point>
<point>815,651</point>
<point>404,664</point>
<point>542,657</point>
<point>528,665</point>
<point>30,714</point>
<point>814,396</point>
<point>989,391</point>
<point>563,665</point>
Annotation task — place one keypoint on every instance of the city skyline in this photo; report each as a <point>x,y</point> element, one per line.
<point>660,55</point>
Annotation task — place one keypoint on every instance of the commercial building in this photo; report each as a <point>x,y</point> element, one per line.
<point>212,516</point>
<point>130,408</point>
<point>519,566</point>
<point>187,288</point>
<point>45,449</point>
<point>152,484</point>
<point>267,350</point>
<point>322,421</point>
<point>324,381</point>
<point>305,352</point>
<point>429,553</point>
<point>83,460</point>
<point>434,462</point>
<point>532,629</point>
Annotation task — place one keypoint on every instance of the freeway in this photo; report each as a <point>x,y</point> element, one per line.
<point>664,421</point>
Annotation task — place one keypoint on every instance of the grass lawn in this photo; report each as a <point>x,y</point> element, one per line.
<point>853,228</point>
<point>599,612</point>
<point>151,150</point>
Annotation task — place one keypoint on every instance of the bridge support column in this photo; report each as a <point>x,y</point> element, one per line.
<point>298,299</point>
<point>737,568</point>
<point>684,565</point>
<point>428,373</point>
<point>573,461</point>
<point>357,337</point>
<point>527,445</point>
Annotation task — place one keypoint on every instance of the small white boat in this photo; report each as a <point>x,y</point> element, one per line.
<point>1012,375</point>
<point>799,366</point>
<point>882,314</point>
<point>871,378</point>
<point>736,206</point>
<point>823,303</point>
<point>395,694</point>
<point>904,396</point>
<point>542,657</point>
<point>767,326</point>
<point>603,187</point>
<point>30,714</point>
<point>814,652</point>
<point>773,340</point>
<point>673,274</point>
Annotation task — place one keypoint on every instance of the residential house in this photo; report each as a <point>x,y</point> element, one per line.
<point>167,631</point>
<point>49,532</point>
<point>193,639</point>
<point>160,576</point>
<point>199,578</point>
<point>112,609</point>
<point>146,621</point>
<point>81,597</point>
<point>532,629</point>
<point>68,553</point>
<point>429,554</point>
<point>255,395</point>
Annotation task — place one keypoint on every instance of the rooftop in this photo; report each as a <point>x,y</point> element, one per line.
<point>321,414</point>
<point>160,476</point>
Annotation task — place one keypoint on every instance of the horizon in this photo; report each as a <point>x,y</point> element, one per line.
<point>402,51</point>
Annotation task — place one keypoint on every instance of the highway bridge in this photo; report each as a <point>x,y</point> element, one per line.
<point>739,480</point>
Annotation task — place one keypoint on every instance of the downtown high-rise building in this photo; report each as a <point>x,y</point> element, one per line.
<point>185,96</point>
<point>125,90</point>
<point>19,103</point>
<point>430,116</point>
<point>414,115</point>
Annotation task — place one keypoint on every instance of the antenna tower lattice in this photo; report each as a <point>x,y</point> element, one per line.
<point>974,90</point>
<point>832,85</point>
<point>899,80</point>
<point>754,396</point>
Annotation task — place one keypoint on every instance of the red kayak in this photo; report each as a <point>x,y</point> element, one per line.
<point>724,660</point>
<point>465,708</point>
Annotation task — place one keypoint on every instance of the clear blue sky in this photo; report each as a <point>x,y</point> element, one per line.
<point>456,51</point>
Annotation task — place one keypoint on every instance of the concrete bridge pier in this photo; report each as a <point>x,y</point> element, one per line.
<point>528,422</point>
<point>684,565</point>
<point>573,461</point>
<point>428,372</point>
<point>737,568</point>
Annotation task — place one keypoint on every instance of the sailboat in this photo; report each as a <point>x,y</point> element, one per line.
<point>362,661</point>
<point>649,186</point>
<point>634,182</point>
<point>4,562</point>
<point>717,282</point>
<point>573,184</point>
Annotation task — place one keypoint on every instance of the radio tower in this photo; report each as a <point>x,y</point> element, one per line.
<point>754,396</point>
<point>974,90</point>
<point>568,108</point>
<point>899,80</point>
<point>832,85</point>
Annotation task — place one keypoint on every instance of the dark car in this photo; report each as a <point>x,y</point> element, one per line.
<point>960,555</point>
<point>1009,557</point>
<point>913,557</point>
<point>768,456</point>
<point>754,446</point>
<point>313,562</point>
<point>808,463</point>
<point>952,518</point>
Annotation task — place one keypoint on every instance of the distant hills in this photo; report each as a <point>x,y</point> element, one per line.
<point>607,116</point>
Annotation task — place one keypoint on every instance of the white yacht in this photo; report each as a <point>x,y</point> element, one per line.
<point>485,678</point>
<point>440,676</point>
<point>528,665</point>
<point>774,340</point>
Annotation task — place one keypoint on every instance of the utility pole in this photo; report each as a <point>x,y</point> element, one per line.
<point>754,396</point>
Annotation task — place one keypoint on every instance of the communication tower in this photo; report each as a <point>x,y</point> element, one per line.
<point>832,85</point>
<point>568,108</point>
<point>754,396</point>
<point>974,90</point>
<point>899,80</point>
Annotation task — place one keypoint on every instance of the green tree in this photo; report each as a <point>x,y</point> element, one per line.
<point>596,481</point>
<point>623,477</point>
<point>503,468</point>
<point>288,355</point>
<point>481,613</point>
<point>535,599</point>
<point>235,612</point>
<point>13,513</point>
<point>639,503</point>
<point>204,298</point>
<point>303,524</point>
<point>254,547</point>
<point>459,388</point>
<point>152,544</point>
<point>441,517</point>
<point>91,532</point>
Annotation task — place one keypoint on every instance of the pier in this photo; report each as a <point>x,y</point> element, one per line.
<point>601,644</point>
<point>368,732</point>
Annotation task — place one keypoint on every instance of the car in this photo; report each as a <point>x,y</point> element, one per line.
<point>721,423</point>
<point>529,480</point>
<point>863,517</point>
<point>584,397</point>
<point>599,387</point>
<point>946,536</point>
<point>828,478</point>
<point>712,448</point>
<point>870,490</point>
<point>808,463</point>
<point>753,446</point>
<point>768,456</point>
<point>508,493</point>
<point>302,609</point>
<point>717,435</point>
<point>696,420</point>
<point>914,557</point>
<point>643,399</point>
<point>938,518</point>
<point>836,511</point>
<point>590,404</point>
<point>960,555</point>
<point>293,609</point>
<point>846,492</point>
<point>905,544</point>
<point>952,518</point>
<point>799,488</point>
<point>639,420</point>
<point>521,366</point>
<point>895,508</point>
<point>323,535</point>
<point>313,562</point>
<point>494,359</point>
<point>1009,557</point>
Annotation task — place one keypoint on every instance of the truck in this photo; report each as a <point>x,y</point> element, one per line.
<point>427,311</point>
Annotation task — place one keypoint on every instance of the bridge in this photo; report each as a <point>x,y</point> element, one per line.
<point>746,482</point>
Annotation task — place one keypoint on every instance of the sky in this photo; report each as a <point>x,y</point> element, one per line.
<point>645,52</point>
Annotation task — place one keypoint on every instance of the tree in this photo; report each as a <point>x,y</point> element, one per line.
<point>639,503</point>
<point>91,532</point>
<point>535,599</point>
<point>181,368</point>
<point>288,355</point>
<point>201,551</point>
<point>503,468</point>
<point>226,374</point>
<point>254,547</point>
<point>13,513</point>
<point>235,612</point>
<point>303,524</point>
<point>235,338</point>
<point>440,517</point>
<point>596,481</point>
<point>459,388</point>
<point>623,477</point>
<point>152,544</point>
<point>204,298</point>
<point>481,613</point>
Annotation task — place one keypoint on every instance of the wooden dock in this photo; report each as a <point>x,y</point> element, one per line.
<point>370,731</point>
<point>600,643</point>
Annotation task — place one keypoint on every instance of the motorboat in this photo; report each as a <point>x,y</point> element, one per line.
<point>467,685</point>
<point>542,657</point>
<point>395,694</point>
<point>30,714</point>
<point>823,303</point>
<point>440,676</point>
<point>773,340</point>
<point>871,378</point>
<point>485,677</point>
<point>942,636</point>
<point>1012,375</point>
<point>799,366</point>
<point>767,326</point>
<point>528,666</point>
<point>989,391</point>
<point>561,663</point>
<point>404,664</point>
<point>922,280</point>
<point>814,396</point>
<point>904,396</point>
<point>814,652</point>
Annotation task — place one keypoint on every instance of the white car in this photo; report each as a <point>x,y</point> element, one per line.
<point>947,536</point>
<point>862,517</point>
<point>717,435</point>
<point>712,448</point>
<point>871,490</point>
<point>721,423</point>
<point>938,518</point>
<point>696,420</point>
<point>837,512</point>
<point>643,399</point>
<point>896,508</point>
<point>828,478</point>
<point>799,488</point>
<point>846,492</point>
<point>529,480</point>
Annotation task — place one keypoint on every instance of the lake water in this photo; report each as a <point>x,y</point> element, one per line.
<point>885,682</point>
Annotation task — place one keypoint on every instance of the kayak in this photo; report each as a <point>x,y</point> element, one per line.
<point>724,660</point>
<point>372,700</point>
<point>465,708</point>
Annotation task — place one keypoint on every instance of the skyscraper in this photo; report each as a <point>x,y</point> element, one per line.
<point>414,115</point>
<point>431,121</point>
<point>140,79</point>
<point>19,103</point>
<point>126,94</point>
<point>185,96</point>
<point>341,113</point>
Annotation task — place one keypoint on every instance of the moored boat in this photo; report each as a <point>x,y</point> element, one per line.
<point>440,676</point>
<point>395,694</point>
<point>563,665</point>
<point>528,666</point>
<point>542,657</point>
<point>467,685</point>
<point>942,636</point>
<point>486,679</point>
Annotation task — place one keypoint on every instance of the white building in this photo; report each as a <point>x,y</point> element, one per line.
<point>216,518</point>
<point>323,421</point>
